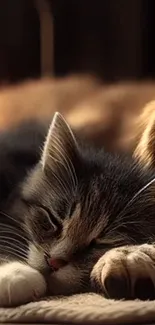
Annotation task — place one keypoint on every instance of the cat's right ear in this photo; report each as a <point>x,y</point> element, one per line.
<point>145,150</point>
<point>60,152</point>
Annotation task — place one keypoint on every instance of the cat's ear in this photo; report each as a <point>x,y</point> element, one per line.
<point>60,152</point>
<point>145,150</point>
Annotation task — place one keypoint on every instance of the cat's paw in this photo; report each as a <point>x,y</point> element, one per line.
<point>19,284</point>
<point>126,272</point>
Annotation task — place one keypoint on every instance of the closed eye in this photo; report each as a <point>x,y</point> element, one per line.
<point>96,243</point>
<point>45,220</point>
<point>51,217</point>
<point>73,207</point>
<point>103,242</point>
<point>112,241</point>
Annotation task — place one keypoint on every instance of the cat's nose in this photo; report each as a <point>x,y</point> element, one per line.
<point>56,263</point>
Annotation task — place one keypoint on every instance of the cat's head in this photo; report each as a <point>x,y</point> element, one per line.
<point>77,204</point>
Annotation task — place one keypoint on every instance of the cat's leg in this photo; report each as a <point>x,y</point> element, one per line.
<point>19,284</point>
<point>126,272</point>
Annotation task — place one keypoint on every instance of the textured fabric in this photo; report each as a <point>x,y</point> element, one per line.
<point>79,309</point>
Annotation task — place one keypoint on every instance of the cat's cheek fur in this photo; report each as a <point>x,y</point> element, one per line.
<point>36,258</point>
<point>19,284</point>
<point>65,281</point>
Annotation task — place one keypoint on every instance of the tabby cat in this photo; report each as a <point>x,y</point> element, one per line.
<point>73,219</point>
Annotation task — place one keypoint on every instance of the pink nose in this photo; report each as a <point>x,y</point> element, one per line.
<point>56,263</point>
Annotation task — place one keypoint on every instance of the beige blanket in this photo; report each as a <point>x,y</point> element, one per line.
<point>81,309</point>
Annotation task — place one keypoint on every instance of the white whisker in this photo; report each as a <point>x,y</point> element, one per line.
<point>134,197</point>
<point>121,221</point>
<point>11,230</point>
<point>11,218</point>
<point>14,240</point>
<point>12,245</point>
<point>11,250</point>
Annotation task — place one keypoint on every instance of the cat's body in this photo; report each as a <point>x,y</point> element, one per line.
<point>73,208</point>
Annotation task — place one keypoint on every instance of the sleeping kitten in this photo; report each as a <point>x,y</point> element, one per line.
<point>80,220</point>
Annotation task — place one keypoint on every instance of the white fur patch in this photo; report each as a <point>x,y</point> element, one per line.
<point>19,284</point>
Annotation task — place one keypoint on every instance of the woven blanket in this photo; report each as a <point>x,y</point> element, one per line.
<point>81,309</point>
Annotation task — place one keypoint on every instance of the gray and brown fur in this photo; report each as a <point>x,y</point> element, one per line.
<point>76,206</point>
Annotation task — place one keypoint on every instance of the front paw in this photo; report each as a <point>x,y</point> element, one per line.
<point>19,284</point>
<point>127,272</point>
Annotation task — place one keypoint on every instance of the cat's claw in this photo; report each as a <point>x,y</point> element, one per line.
<point>126,272</point>
<point>19,284</point>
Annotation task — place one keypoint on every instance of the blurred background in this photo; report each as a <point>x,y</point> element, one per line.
<point>113,39</point>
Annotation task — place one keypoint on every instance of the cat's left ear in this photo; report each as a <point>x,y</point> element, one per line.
<point>60,152</point>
